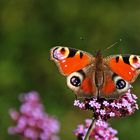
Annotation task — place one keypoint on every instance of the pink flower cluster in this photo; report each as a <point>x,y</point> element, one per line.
<point>101,131</point>
<point>31,121</point>
<point>105,109</point>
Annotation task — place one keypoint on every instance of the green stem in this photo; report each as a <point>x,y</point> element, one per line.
<point>89,129</point>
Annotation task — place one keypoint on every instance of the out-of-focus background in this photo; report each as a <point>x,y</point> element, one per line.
<point>28,30</point>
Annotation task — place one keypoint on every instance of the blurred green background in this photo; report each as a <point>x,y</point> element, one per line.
<point>29,28</point>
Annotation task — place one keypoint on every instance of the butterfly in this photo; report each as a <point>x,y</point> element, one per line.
<point>89,75</point>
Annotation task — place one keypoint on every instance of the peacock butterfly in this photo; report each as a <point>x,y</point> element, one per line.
<point>96,76</point>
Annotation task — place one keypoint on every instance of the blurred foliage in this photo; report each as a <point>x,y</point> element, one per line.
<point>29,28</point>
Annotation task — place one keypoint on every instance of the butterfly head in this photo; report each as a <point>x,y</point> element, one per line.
<point>98,53</point>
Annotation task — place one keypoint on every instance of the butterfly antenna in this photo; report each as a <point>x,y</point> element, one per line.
<point>111,46</point>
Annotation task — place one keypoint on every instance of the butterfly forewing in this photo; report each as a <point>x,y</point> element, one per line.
<point>126,66</point>
<point>70,60</point>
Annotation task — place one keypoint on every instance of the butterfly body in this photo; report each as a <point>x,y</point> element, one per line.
<point>99,73</point>
<point>96,76</point>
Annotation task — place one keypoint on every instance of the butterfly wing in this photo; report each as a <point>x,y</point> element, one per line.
<point>70,60</point>
<point>126,66</point>
<point>120,71</point>
<point>109,88</point>
<point>77,66</point>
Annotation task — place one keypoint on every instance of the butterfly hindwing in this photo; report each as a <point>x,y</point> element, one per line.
<point>109,86</point>
<point>82,82</point>
<point>114,85</point>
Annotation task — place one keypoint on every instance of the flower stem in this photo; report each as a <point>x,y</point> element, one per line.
<point>90,129</point>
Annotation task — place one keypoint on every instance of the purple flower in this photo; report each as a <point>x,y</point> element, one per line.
<point>111,114</point>
<point>76,103</point>
<point>102,112</point>
<point>105,103</point>
<point>109,108</point>
<point>100,131</point>
<point>32,122</point>
<point>104,109</point>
